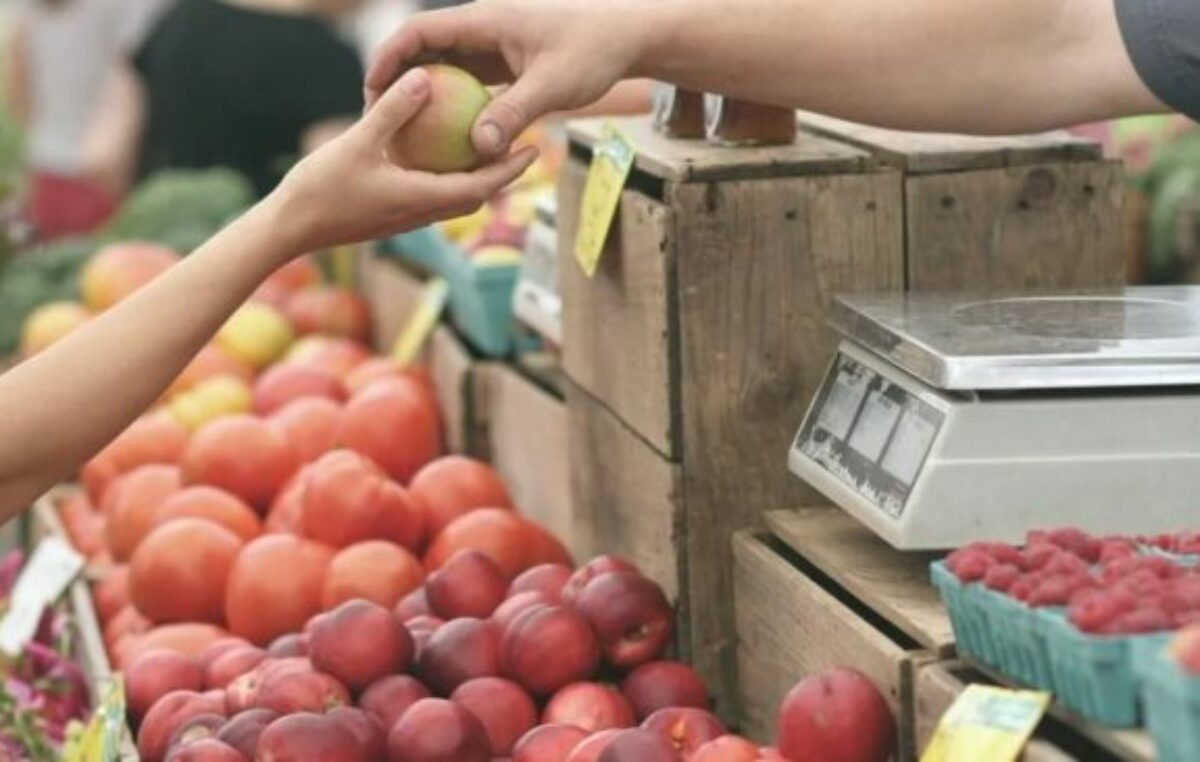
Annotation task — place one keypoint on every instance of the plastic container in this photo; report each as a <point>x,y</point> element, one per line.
<point>1172,702</point>
<point>423,248</point>
<point>481,303</point>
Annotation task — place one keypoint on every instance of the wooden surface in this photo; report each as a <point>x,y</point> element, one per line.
<point>391,292</point>
<point>1043,226</point>
<point>926,152</point>
<point>525,438</point>
<point>758,263</point>
<point>683,161</point>
<point>618,330</point>
<point>626,497</point>
<point>450,365</point>
<point>894,583</point>
<point>789,627</point>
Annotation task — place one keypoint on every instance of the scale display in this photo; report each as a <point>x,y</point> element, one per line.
<point>870,433</point>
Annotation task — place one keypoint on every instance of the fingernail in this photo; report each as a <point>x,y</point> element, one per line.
<point>415,82</point>
<point>492,137</point>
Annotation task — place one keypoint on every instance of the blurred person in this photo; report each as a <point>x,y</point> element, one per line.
<point>58,56</point>
<point>246,84</point>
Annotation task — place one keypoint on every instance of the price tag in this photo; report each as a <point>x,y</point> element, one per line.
<point>611,161</point>
<point>987,724</point>
<point>421,323</point>
<point>51,568</point>
<point>100,741</point>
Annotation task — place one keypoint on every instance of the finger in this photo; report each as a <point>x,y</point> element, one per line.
<point>446,193</point>
<point>396,106</point>
<point>509,114</point>
<point>425,37</point>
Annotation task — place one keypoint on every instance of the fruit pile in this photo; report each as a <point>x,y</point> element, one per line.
<point>1109,585</point>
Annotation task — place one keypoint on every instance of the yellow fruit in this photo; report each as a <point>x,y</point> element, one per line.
<point>438,138</point>
<point>257,334</point>
<point>495,256</point>
<point>49,323</point>
<point>460,229</point>
<point>209,400</point>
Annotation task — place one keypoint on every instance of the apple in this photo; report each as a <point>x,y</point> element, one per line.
<point>470,584</point>
<point>503,707</point>
<point>360,642</point>
<point>684,728</point>
<point>436,730</point>
<point>631,617</point>
<point>547,648</point>
<point>549,579</point>
<point>366,730</point>
<point>231,665</point>
<point>243,730</point>
<point>438,137</point>
<point>592,569</point>
<point>169,714</point>
<point>661,684</point>
<point>591,706</point>
<point>836,716</point>
<point>388,698</point>
<point>205,750</point>
<point>459,651</point>
<point>308,737</point>
<point>154,674</point>
<point>514,607</point>
<point>593,746</point>
<point>548,743</point>
<point>637,745</point>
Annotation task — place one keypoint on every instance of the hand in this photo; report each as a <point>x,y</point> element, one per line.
<point>559,54</point>
<point>348,191</point>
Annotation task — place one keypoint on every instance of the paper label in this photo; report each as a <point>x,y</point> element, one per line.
<point>100,741</point>
<point>421,323</point>
<point>611,161</point>
<point>53,565</point>
<point>987,724</point>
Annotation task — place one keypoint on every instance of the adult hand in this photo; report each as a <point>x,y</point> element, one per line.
<point>349,191</point>
<point>559,55</point>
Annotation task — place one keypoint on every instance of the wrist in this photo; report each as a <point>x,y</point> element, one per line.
<point>656,26</point>
<point>274,231</point>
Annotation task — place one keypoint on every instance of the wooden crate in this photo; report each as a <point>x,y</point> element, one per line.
<point>819,593</point>
<point>695,348</point>
<point>521,429</point>
<point>1000,213</point>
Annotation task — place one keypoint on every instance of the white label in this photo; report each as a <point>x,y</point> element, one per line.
<point>909,447</point>
<point>842,403</point>
<point>51,568</point>
<point>874,426</point>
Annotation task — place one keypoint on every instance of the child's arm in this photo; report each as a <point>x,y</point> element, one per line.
<point>59,408</point>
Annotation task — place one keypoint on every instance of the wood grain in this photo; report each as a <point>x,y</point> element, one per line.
<point>1047,226</point>
<point>450,366</point>
<point>892,582</point>
<point>684,161</point>
<point>391,292</point>
<point>618,327</point>
<point>759,261</point>
<point>788,627</point>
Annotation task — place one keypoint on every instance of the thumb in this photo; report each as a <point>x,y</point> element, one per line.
<point>510,113</point>
<point>396,105</point>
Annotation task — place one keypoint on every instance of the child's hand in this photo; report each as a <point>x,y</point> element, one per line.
<point>348,191</point>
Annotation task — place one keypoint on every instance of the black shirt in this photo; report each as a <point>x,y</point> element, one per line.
<point>1163,38</point>
<point>236,87</point>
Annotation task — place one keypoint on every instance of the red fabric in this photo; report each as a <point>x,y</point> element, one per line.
<point>64,206</point>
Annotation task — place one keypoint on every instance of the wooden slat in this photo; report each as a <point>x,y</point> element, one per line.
<point>625,496</point>
<point>526,435</point>
<point>789,627</point>
<point>617,329</point>
<point>450,366</point>
<point>892,582</point>
<point>1042,226</point>
<point>928,152</point>
<point>758,263</point>
<point>391,292</point>
<point>697,160</point>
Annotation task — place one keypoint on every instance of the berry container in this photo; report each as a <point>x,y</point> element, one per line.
<point>1172,702</point>
<point>422,248</point>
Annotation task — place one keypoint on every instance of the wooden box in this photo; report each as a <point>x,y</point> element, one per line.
<point>822,592</point>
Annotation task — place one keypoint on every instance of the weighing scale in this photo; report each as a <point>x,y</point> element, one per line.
<point>537,301</point>
<point>945,419</point>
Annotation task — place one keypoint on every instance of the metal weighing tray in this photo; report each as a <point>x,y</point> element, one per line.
<point>1118,338</point>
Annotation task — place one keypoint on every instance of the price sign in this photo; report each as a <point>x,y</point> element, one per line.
<point>51,568</point>
<point>100,740</point>
<point>421,323</point>
<point>611,161</point>
<point>987,724</point>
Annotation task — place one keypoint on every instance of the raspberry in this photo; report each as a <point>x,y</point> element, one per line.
<point>1070,539</point>
<point>1001,577</point>
<point>1023,587</point>
<point>1112,548</point>
<point>1052,591</point>
<point>1065,563</point>
<point>1140,620</point>
<point>1092,610</point>
<point>968,564</point>
<point>1036,556</point>
<point>1004,554</point>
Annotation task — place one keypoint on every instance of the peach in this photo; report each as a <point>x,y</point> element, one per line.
<point>459,651</point>
<point>329,311</point>
<point>178,572</point>
<point>49,323</point>
<point>394,423</point>
<point>731,748</point>
<point>422,628</point>
<point>661,684</point>
<point>438,138</point>
<point>231,665</point>
<point>299,690</point>
<point>119,269</point>
<point>210,362</point>
<point>503,707</point>
<point>257,335</point>
<point>206,750</point>
<point>358,643</point>
<point>154,674</point>
<point>218,648</point>
<point>347,500</point>
<point>288,382</point>
<point>388,698</point>
<point>308,737</point>
<point>511,609</point>
<point>210,400</point>
<point>376,570</point>
<point>243,692</point>
<point>375,369</point>
<point>334,354</point>
<point>836,716</point>
<point>243,455</point>
<point>243,730</point>
<point>547,648</point>
<point>455,485</point>
<point>310,424</point>
<point>169,714</point>
<point>132,503</point>
<point>593,746</point>
<point>549,579</point>
<point>215,505</point>
<point>638,746</point>
<point>436,730</point>
<point>1184,648</point>
<point>153,438</point>
<point>548,743</point>
<point>366,730</point>
<point>197,728</point>
<point>292,644</point>
<point>592,569</point>
<point>413,605</point>
<point>684,728</point>
<point>631,616</point>
<point>591,706</point>
<point>468,585</point>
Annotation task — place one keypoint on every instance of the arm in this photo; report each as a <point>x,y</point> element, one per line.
<point>988,66</point>
<point>64,404</point>
<point>16,89</point>
<point>114,136</point>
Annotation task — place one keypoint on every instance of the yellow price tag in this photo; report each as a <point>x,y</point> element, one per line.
<point>611,161</point>
<point>101,740</point>
<point>344,262</point>
<point>421,323</point>
<point>987,724</point>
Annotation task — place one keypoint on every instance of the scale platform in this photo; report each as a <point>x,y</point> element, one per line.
<point>946,419</point>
